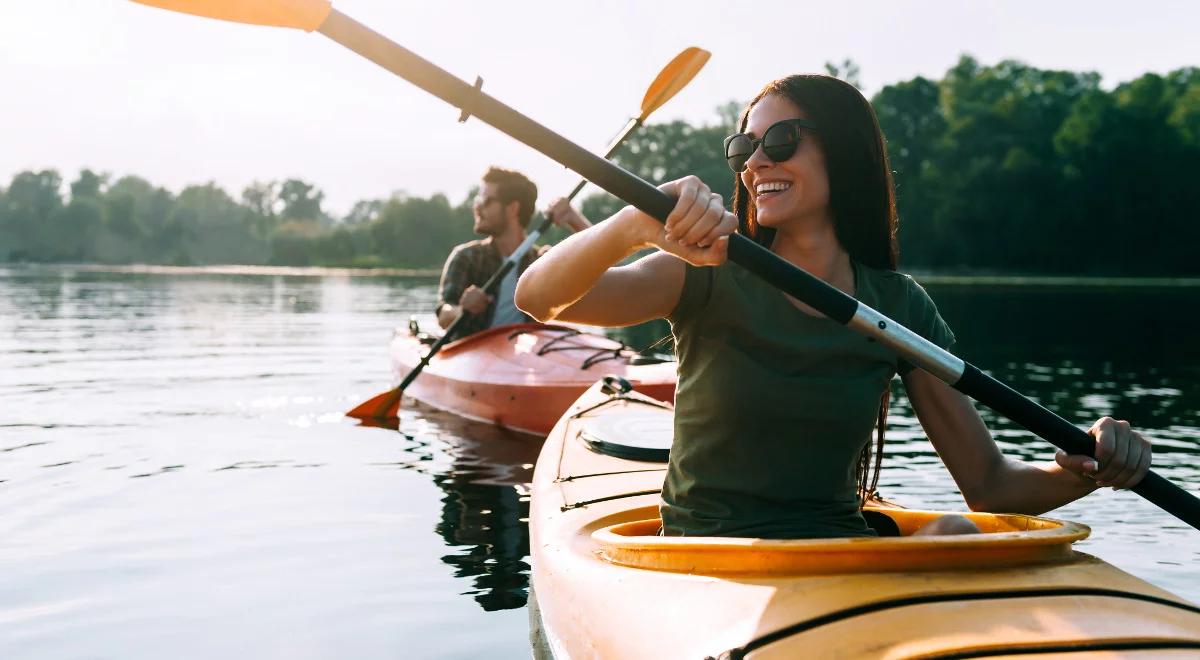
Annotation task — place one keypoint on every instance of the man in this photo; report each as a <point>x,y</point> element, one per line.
<point>503,209</point>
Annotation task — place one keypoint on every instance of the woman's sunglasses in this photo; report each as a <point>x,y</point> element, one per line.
<point>779,143</point>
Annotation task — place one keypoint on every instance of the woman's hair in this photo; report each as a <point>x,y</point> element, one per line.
<point>861,196</point>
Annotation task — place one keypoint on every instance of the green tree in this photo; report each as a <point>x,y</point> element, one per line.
<point>262,198</point>
<point>214,229</point>
<point>88,184</point>
<point>301,201</point>
<point>364,212</point>
<point>71,231</point>
<point>420,232</point>
<point>293,243</point>
<point>993,179</point>
<point>136,228</point>
<point>911,117</point>
<point>31,200</point>
<point>1131,167</point>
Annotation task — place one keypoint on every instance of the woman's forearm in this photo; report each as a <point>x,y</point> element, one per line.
<point>1019,487</point>
<point>564,274</point>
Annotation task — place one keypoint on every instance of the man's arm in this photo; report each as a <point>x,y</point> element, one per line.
<point>451,287</point>
<point>565,215</point>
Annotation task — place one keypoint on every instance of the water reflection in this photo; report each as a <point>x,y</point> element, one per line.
<point>483,472</point>
<point>114,376</point>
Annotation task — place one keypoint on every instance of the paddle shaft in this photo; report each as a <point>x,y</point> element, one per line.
<point>630,127</point>
<point>746,253</point>
<point>512,260</point>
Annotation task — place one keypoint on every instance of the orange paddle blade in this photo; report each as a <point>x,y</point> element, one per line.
<point>304,15</point>
<point>674,77</point>
<point>380,406</point>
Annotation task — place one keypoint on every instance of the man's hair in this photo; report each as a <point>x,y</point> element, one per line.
<point>514,187</point>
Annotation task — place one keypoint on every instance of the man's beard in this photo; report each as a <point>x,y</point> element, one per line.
<point>482,228</point>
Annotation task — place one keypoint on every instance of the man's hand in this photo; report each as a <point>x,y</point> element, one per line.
<point>474,300</point>
<point>565,215</point>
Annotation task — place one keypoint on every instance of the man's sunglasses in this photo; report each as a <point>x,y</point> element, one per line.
<point>779,143</point>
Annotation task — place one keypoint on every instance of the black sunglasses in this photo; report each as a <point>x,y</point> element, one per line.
<point>779,143</point>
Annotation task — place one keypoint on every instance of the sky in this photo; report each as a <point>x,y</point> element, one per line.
<point>126,89</point>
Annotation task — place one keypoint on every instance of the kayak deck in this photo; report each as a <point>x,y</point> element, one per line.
<point>607,586</point>
<point>521,377</point>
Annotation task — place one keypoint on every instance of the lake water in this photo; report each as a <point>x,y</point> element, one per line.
<point>177,478</point>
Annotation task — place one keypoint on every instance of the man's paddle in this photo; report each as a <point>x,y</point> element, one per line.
<point>674,77</point>
<point>320,15</point>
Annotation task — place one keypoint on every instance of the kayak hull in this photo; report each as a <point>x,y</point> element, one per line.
<point>606,586</point>
<point>521,377</point>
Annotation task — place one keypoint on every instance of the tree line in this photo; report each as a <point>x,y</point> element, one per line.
<point>130,220</point>
<point>1002,168</point>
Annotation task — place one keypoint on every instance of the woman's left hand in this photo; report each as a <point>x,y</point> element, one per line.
<point>1122,455</point>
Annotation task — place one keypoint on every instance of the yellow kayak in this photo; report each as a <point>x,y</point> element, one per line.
<point>606,586</point>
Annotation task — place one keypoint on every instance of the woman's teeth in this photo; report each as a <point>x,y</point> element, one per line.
<point>771,187</point>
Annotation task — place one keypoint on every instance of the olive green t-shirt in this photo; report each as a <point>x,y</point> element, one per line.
<point>774,406</point>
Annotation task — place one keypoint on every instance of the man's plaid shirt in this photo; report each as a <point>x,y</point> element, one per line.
<point>473,263</point>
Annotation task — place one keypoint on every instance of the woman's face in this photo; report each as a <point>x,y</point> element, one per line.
<point>796,190</point>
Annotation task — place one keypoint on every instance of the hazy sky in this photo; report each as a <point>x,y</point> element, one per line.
<point>126,89</point>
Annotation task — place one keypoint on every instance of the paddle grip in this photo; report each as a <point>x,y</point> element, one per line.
<point>1070,438</point>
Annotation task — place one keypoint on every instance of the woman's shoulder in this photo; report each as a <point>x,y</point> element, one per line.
<point>901,297</point>
<point>889,285</point>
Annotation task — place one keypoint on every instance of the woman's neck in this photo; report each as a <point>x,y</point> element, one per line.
<point>817,250</point>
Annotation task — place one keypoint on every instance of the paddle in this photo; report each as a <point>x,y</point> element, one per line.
<point>319,15</point>
<point>674,77</point>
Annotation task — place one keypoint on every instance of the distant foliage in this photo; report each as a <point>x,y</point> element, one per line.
<point>1010,168</point>
<point>276,223</point>
<point>1002,168</point>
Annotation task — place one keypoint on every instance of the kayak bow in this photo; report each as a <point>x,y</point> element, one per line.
<point>606,586</point>
<point>522,377</point>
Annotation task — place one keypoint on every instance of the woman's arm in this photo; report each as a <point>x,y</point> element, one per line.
<point>989,481</point>
<point>576,280</point>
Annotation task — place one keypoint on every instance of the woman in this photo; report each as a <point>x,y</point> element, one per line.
<point>776,403</point>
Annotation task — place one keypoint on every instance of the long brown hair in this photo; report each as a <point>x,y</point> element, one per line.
<point>862,198</point>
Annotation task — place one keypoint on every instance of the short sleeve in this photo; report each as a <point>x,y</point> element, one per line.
<point>697,289</point>
<point>924,319</point>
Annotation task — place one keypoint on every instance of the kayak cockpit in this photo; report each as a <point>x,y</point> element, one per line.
<point>1005,540</point>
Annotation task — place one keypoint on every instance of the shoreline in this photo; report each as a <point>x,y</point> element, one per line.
<point>235,269</point>
<point>928,279</point>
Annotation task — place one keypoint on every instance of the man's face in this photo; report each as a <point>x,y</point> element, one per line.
<point>489,212</point>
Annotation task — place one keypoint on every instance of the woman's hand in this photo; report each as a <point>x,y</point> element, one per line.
<point>698,228</point>
<point>1122,455</point>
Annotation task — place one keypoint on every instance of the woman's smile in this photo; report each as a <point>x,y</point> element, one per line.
<point>792,189</point>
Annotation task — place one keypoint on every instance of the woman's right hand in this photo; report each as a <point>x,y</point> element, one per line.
<point>698,228</point>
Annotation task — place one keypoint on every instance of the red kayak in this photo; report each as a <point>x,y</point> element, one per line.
<point>522,377</point>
